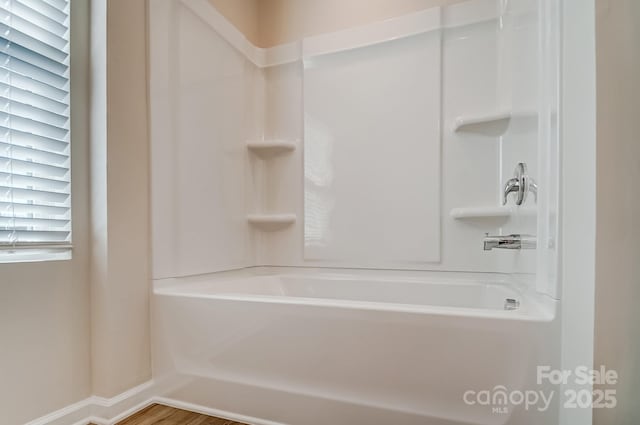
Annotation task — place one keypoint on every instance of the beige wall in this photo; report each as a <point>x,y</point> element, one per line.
<point>70,329</point>
<point>267,23</point>
<point>120,263</point>
<point>282,21</point>
<point>243,14</point>
<point>45,340</point>
<point>44,329</point>
<point>617,327</point>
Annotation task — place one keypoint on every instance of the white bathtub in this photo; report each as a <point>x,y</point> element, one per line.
<point>310,347</point>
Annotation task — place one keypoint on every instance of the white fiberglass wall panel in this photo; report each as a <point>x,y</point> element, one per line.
<point>518,67</point>
<point>203,111</point>
<point>366,111</point>
<point>471,159</point>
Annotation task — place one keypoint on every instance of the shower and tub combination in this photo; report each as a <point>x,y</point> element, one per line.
<point>338,232</point>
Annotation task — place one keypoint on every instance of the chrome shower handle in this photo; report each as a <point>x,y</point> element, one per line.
<point>521,184</point>
<point>512,185</point>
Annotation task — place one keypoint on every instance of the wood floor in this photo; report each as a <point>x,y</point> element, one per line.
<point>163,415</point>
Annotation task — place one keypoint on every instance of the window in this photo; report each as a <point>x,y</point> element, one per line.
<point>35,195</point>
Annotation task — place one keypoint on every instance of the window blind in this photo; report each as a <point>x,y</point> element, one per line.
<point>35,198</point>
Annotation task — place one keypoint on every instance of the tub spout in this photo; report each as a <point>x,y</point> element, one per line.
<point>509,242</point>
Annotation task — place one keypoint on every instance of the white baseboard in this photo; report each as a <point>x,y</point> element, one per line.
<point>100,410</point>
<point>109,411</point>
<point>76,413</point>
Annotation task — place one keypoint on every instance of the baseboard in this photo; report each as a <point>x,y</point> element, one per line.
<point>73,414</point>
<point>109,411</point>
<point>100,410</point>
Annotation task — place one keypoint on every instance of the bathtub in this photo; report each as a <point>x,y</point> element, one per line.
<point>311,347</point>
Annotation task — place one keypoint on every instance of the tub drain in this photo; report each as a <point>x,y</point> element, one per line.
<point>511,304</point>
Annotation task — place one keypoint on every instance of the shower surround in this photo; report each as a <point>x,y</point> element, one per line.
<point>319,209</point>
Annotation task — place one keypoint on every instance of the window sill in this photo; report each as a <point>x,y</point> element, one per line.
<point>34,255</point>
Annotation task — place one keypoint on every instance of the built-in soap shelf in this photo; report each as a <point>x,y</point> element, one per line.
<point>271,148</point>
<point>470,122</point>
<point>494,122</point>
<point>266,149</point>
<point>490,212</point>
<point>271,222</point>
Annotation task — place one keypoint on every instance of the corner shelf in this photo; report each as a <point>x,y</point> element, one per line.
<point>495,123</point>
<point>474,123</point>
<point>271,222</point>
<point>490,212</point>
<point>270,148</point>
<point>267,149</point>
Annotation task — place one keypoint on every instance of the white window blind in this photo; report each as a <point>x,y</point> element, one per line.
<point>35,198</point>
